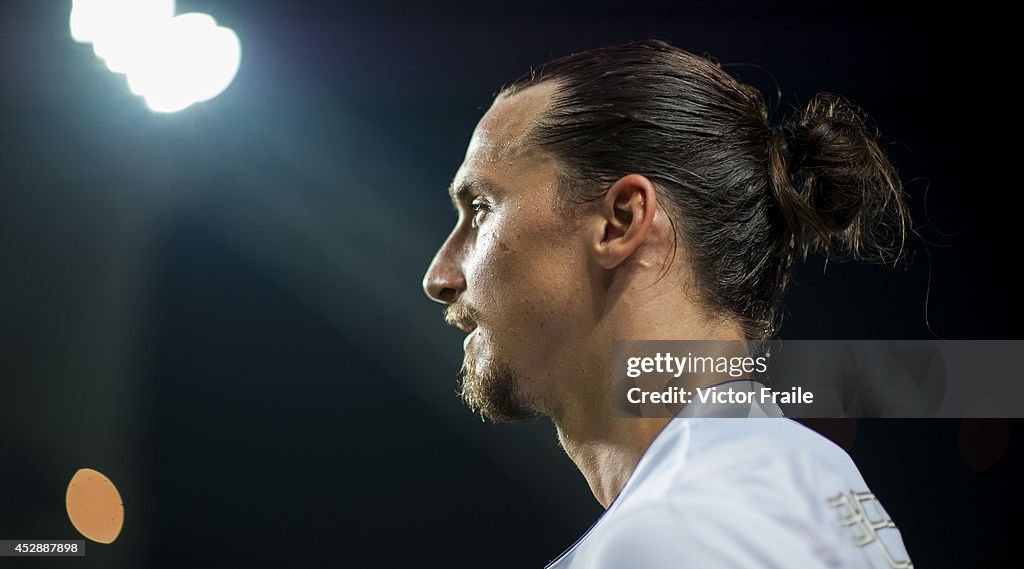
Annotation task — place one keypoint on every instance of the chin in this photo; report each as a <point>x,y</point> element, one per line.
<point>495,390</point>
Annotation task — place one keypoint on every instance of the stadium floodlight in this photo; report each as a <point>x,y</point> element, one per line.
<point>171,61</point>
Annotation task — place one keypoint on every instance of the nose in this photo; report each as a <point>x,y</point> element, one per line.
<point>444,281</point>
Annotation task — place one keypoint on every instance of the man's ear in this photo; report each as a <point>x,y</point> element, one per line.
<point>623,221</point>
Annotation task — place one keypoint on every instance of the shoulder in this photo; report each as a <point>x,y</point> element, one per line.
<point>710,533</point>
<point>761,485</point>
<point>742,492</point>
<point>739,493</point>
<point>759,455</point>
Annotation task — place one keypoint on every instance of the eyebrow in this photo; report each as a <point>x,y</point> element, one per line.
<point>472,186</point>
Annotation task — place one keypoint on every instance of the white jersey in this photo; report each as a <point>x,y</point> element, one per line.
<point>746,493</point>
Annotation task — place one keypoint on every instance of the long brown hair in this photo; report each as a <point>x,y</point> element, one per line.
<point>746,197</point>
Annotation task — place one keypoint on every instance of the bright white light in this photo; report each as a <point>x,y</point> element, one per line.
<point>171,61</point>
<point>126,26</point>
<point>189,59</point>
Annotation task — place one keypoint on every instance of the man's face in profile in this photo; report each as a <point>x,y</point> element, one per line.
<point>512,269</point>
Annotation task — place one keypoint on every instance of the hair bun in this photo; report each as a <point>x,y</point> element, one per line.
<point>834,183</point>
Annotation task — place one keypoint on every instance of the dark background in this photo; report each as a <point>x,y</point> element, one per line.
<point>220,309</point>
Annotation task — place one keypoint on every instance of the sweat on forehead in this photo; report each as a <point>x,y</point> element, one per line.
<point>504,129</point>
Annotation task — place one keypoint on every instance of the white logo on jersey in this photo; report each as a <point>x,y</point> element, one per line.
<point>865,526</point>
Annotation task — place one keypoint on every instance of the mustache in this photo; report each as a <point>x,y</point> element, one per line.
<point>460,314</point>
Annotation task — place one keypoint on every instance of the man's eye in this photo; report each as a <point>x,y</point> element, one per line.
<point>479,208</point>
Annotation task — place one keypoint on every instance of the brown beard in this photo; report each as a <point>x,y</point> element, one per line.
<point>495,392</point>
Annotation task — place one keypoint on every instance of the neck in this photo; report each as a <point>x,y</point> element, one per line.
<point>607,459</point>
<point>607,449</point>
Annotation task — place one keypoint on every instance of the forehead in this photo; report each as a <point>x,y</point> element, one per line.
<point>498,145</point>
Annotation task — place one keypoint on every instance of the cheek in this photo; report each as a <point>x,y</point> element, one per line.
<point>493,270</point>
<point>530,283</point>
